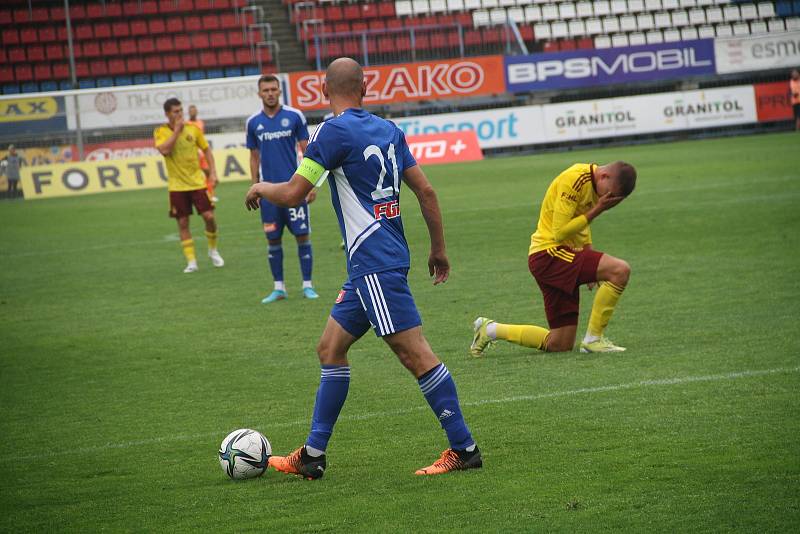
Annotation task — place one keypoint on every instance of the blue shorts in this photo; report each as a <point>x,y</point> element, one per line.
<point>380,300</point>
<point>297,219</point>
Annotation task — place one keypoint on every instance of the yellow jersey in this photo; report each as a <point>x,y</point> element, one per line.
<point>183,164</point>
<point>569,196</point>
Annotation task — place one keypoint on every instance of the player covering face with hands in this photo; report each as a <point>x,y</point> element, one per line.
<point>561,259</point>
<point>368,160</point>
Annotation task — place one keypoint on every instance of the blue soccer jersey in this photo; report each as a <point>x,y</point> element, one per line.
<point>276,139</point>
<point>366,157</point>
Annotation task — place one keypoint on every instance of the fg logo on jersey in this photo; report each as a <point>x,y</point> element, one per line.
<point>389,210</point>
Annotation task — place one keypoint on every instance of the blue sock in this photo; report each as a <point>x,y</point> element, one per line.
<point>440,391</point>
<point>331,395</point>
<point>275,255</point>
<point>306,260</point>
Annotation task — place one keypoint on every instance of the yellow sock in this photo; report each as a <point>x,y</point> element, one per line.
<point>188,250</point>
<point>212,239</point>
<point>523,334</point>
<point>605,300</point>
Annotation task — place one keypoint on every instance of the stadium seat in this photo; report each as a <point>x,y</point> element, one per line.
<point>47,34</point>
<point>189,61</point>
<point>636,39</point>
<point>619,40</point>
<point>28,36</point>
<point>559,29</point>
<point>731,13</point>
<point>533,14</point>
<point>618,7</point>
<point>705,3</point>
<point>120,29</point>
<point>680,18</point>
<point>48,86</point>
<point>610,25</point>
<point>90,49</point>
<point>594,27</point>
<point>635,6</point>
<point>41,71</point>
<point>105,82</point>
<point>748,11</point>
<point>706,32</point>
<point>602,8</point>
<point>627,23</point>
<point>669,4</point>
<point>566,10</point>
<point>153,63</point>
<point>714,15</point>
<point>792,23</point>
<point>758,27</point>
<point>541,31</point>
<point>602,41</point>
<point>584,9</point>
<point>182,42</point>
<point>688,34</point>
<point>171,62</point>
<point>766,10</point>
<point>146,45</point>
<point>672,35</point>
<point>156,26</point>
<point>517,14</point>
<point>577,28</point>
<point>480,18</point>
<point>652,5</point>
<point>57,13</point>
<point>741,28</point>
<point>135,65</point>
<point>178,76</point>
<point>497,16</point>
<point>654,37</point>
<point>644,21</point>
<point>550,12</point>
<point>54,51</point>
<point>60,71</point>
<point>723,30</point>
<point>776,25</point>
<point>17,54</point>
<point>687,4</point>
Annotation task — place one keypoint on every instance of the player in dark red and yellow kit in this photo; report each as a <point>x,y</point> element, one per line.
<point>186,182</point>
<point>561,259</point>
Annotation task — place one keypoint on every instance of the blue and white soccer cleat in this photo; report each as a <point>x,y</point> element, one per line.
<point>274,296</point>
<point>309,293</point>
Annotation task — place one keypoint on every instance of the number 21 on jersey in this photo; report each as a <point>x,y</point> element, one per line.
<point>380,191</point>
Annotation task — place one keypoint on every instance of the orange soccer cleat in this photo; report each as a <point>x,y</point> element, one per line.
<point>299,462</point>
<point>453,460</point>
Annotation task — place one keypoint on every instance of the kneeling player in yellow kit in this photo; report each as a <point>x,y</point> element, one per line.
<point>561,259</point>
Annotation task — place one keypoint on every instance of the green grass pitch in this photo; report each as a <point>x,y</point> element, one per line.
<point>119,376</point>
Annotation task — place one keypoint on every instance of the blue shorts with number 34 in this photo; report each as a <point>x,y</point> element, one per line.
<point>297,219</point>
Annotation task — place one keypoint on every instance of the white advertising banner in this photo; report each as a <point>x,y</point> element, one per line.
<point>115,107</point>
<point>759,52</point>
<point>726,106</point>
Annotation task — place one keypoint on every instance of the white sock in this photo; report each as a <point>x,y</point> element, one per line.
<point>589,338</point>
<point>471,448</point>
<point>307,283</point>
<point>279,286</point>
<point>314,453</point>
<point>192,263</point>
<point>491,330</point>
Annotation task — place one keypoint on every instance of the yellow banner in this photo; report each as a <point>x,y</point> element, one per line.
<point>28,109</point>
<point>83,178</point>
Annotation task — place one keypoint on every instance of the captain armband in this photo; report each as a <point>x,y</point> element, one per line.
<point>310,170</point>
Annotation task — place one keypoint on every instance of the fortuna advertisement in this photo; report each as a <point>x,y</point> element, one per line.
<point>583,68</point>
<point>762,52</point>
<point>435,80</point>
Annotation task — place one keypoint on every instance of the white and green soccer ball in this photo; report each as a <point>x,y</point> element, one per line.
<point>244,453</point>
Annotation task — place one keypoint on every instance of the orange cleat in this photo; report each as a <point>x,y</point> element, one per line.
<point>453,460</point>
<point>299,462</point>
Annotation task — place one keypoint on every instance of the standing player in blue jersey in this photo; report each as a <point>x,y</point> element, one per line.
<point>273,135</point>
<point>367,157</point>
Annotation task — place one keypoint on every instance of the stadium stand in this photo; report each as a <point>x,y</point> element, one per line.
<point>130,41</point>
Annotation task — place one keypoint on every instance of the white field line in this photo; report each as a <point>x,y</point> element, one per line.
<point>404,411</point>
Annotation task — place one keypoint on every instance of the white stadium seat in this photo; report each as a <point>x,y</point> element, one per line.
<point>454,6</point>
<point>610,25</point>
<point>489,4</point>
<point>627,23</point>
<point>722,2</point>
<point>584,9</point>
<point>644,21</point>
<point>636,39</point>
<point>687,4</point>
<point>480,17</point>
<point>618,7</point>
<point>723,30</point>
<point>619,40</point>
<point>507,3</point>
<point>594,27</point>
<point>635,6</point>
<point>714,15</point>
<point>471,5</point>
<point>662,20</point>
<point>672,35</point>
<point>776,25</point>
<point>758,26</point>
<point>533,14</point>
<point>688,34</point>
<point>706,32</point>
<point>517,14</point>
<point>497,16</point>
<point>550,12</point>
<point>680,19</point>
<point>731,13</point>
<point>703,3</point>
<point>652,5</point>
<point>559,29</point>
<point>402,8</point>
<point>792,23</point>
<point>602,8</point>
<point>541,31</point>
<point>741,28</point>
<point>748,11</point>
<point>697,16</point>
<point>669,4</point>
<point>566,10</point>
<point>602,41</point>
<point>438,6</point>
<point>538,1</point>
<point>766,10</point>
<point>654,37</point>
<point>577,28</point>
<point>420,7</point>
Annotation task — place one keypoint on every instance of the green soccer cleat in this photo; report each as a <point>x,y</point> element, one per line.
<point>274,296</point>
<point>601,345</point>
<point>481,340</point>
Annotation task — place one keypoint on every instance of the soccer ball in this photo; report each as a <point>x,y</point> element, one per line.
<point>244,453</point>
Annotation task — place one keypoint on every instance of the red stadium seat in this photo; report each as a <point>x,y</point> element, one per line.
<point>113,10</point>
<point>366,12</point>
<point>377,24</point>
<point>472,37</point>
<point>116,67</point>
<point>465,19</point>
<point>83,32</point>
<point>438,40</point>
<point>42,71</point>
<point>235,38</point>
<point>156,26</point>
<point>266,55</point>
<point>386,10</point>
<point>135,65</point>
<point>61,34</point>
<point>493,35</point>
<point>110,48</point>
<point>566,45</point>
<point>90,49</point>
<point>127,47</point>
<point>28,36</point>
<point>130,8</point>
<point>332,49</point>
<point>146,45</point>
<point>6,73</point>
<point>358,26</point>
<point>6,17</point>
<point>208,59</point>
<point>170,6</point>
<point>385,44</point>
<point>192,23</point>
<point>341,27</point>
<point>40,14</point>
<point>95,11</point>
<point>60,71</point>
<point>82,69</point>
<point>218,39</point>
<point>182,42</point>
<point>17,54</point>
<point>396,24</point>
<point>153,63</point>
<point>226,58</point>
<point>98,67</point>
<point>77,12</point>
<point>57,14</point>
<point>47,34</point>
<point>148,7</point>
<point>352,12</point>
<point>139,27</point>
<point>54,51</point>
<point>200,41</point>
<point>446,19</point>
<point>333,13</point>
<point>351,47</point>
<point>585,44</point>
<point>172,62</point>
<point>36,53</point>
<point>550,46</point>
<point>243,56</point>
<point>311,52</point>
<point>228,21</point>
<point>189,60</point>
<point>120,29</point>
<point>102,30</point>
<point>526,32</point>
<point>21,16</point>
<point>403,42</point>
